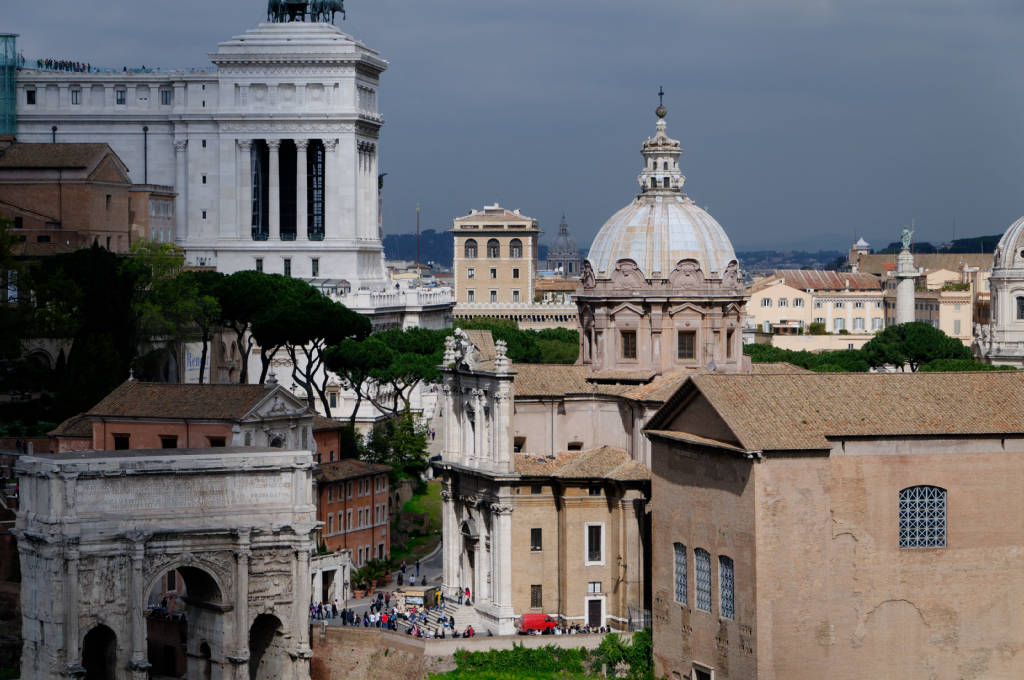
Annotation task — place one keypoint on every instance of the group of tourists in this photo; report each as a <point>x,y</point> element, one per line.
<point>63,65</point>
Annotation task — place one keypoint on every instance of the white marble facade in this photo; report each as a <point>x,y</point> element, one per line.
<point>229,140</point>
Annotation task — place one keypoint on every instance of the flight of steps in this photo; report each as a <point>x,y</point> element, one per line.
<point>464,616</point>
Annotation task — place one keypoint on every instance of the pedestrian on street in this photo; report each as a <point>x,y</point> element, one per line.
<point>417,568</point>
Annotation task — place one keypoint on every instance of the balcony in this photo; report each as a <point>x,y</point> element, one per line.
<point>287,237</point>
<point>315,235</point>
<point>258,235</point>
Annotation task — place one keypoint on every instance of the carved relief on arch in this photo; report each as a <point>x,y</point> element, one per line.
<point>587,278</point>
<point>687,274</point>
<point>628,275</point>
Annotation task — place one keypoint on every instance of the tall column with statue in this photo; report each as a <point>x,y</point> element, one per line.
<point>906,272</point>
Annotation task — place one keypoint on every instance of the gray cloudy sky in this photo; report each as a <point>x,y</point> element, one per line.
<point>804,123</point>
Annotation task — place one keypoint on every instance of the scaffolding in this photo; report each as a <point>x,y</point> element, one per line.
<point>8,84</point>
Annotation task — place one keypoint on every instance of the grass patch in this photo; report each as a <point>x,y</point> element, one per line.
<point>428,502</point>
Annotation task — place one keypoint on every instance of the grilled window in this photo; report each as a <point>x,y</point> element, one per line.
<point>535,540</point>
<point>629,344</point>
<point>726,587</point>
<point>923,517</point>
<point>680,572</point>
<point>702,567</point>
<point>536,596</point>
<point>687,345</point>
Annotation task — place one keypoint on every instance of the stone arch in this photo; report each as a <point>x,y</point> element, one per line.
<point>267,649</point>
<point>174,640</point>
<point>99,653</point>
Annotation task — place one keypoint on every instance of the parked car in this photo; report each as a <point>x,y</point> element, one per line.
<point>529,623</point>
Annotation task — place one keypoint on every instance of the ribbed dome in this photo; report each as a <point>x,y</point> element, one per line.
<point>657,232</point>
<point>1009,253</point>
<point>662,225</point>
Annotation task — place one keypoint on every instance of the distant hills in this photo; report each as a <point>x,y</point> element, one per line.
<point>977,244</point>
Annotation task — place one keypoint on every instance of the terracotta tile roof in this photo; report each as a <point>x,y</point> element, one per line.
<point>777,367</point>
<point>27,155</point>
<point>347,469</point>
<point>820,279</point>
<point>321,424</point>
<point>167,400</point>
<point>694,439</point>
<point>659,389</point>
<point>32,248</point>
<point>612,375</point>
<point>543,380</point>
<point>606,462</point>
<point>76,427</point>
<point>799,411</point>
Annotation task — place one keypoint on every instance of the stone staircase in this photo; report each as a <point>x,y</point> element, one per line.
<point>464,616</point>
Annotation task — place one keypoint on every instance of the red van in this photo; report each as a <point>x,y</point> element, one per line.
<point>528,623</point>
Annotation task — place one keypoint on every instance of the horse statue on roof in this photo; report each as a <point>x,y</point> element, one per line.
<point>296,10</point>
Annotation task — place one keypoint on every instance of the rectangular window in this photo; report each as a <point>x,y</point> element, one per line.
<point>494,273</point>
<point>922,517</point>
<point>515,273</point>
<point>165,97</point>
<point>216,442</point>
<point>858,305</point>
<point>536,488</point>
<point>819,305</point>
<point>839,305</point>
<point>858,324</point>
<point>121,442</point>
<point>287,262</point>
<point>348,488</point>
<point>348,520</point>
<point>536,596</point>
<point>204,179</point>
<point>876,324</point>
<point>595,543</point>
<point>471,273</point>
<point>259,264</point>
<point>783,302</point>
<point>1020,307</point>
<point>702,567</point>
<point>172,581</point>
<point>838,324</point>
<point>470,296</point>
<point>819,319</point>
<point>30,97</point>
<point>687,345</point>
<point>536,544</point>
<point>168,441</point>
<point>76,97</point>
<point>333,397</point>
<point>726,588</point>
<point>628,344</point>
<point>494,296</point>
<point>878,305</point>
<point>594,588</point>
<point>515,296</point>
<point>956,327</point>
<point>204,214</point>
<point>766,302</point>
<point>680,572</point>
<point>330,494</point>
<point>316,267</point>
<point>330,524</point>
<point>798,302</point>
<point>120,96</point>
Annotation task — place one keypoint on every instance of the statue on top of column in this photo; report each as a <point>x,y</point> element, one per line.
<point>297,10</point>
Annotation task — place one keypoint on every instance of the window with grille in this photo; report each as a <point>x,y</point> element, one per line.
<point>702,567</point>
<point>536,542</point>
<point>687,346</point>
<point>629,344</point>
<point>726,586</point>
<point>923,517</point>
<point>680,572</point>
<point>536,596</point>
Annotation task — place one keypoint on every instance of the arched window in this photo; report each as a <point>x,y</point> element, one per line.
<point>515,248</point>
<point>1020,306</point>
<point>702,567</point>
<point>493,249</point>
<point>923,517</point>
<point>726,587</point>
<point>680,571</point>
<point>664,165</point>
<point>470,247</point>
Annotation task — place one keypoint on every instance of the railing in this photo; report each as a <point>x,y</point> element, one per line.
<point>315,235</point>
<point>259,235</point>
<point>638,618</point>
<point>287,237</point>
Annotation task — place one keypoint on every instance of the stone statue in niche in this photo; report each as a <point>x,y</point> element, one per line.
<point>628,275</point>
<point>588,279</point>
<point>687,274</point>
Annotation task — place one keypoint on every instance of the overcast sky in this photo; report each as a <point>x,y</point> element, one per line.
<point>804,123</point>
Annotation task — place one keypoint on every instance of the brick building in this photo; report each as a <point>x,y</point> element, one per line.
<point>66,196</point>
<point>353,504</point>
<point>839,526</point>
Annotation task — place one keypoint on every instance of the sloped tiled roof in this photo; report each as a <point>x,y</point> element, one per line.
<point>167,400</point>
<point>73,155</point>
<point>322,424</point>
<point>659,389</point>
<point>541,380</point>
<point>798,411</point>
<point>777,367</point>
<point>606,462</point>
<point>77,427</point>
<point>821,279</point>
<point>347,469</point>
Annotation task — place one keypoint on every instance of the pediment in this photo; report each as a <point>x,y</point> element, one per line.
<point>685,307</point>
<point>627,306</point>
<point>279,403</point>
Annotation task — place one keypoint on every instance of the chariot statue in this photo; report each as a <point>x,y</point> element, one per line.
<point>298,10</point>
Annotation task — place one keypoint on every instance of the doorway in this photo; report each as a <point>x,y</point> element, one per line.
<point>594,617</point>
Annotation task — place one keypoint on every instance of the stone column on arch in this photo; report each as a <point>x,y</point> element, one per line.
<point>244,188</point>
<point>181,191</point>
<point>332,176</point>
<point>243,550</point>
<point>139,664</point>
<point>72,640</point>
<point>301,198</point>
<point>274,183</point>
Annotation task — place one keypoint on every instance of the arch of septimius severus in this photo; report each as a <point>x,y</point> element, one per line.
<point>99,531</point>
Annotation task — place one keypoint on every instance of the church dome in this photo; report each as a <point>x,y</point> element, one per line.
<point>662,226</point>
<point>1010,251</point>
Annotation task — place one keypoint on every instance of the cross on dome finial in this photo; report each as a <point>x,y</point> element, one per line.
<point>661,111</point>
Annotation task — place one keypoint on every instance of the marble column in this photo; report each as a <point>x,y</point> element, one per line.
<point>244,188</point>
<point>331,194</point>
<point>302,598</point>
<point>449,536</point>
<point>501,544</point>
<point>275,188</point>
<point>242,553</point>
<point>139,665</point>
<point>72,646</point>
<point>181,187</point>
<point>301,226</point>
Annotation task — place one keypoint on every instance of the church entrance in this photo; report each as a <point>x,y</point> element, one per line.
<point>99,654</point>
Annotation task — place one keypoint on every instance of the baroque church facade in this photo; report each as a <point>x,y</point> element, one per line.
<point>545,468</point>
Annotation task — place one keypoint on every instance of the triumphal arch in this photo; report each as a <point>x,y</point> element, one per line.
<point>175,562</point>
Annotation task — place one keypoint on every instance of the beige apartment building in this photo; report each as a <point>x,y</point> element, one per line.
<point>789,300</point>
<point>840,526</point>
<point>495,256</point>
